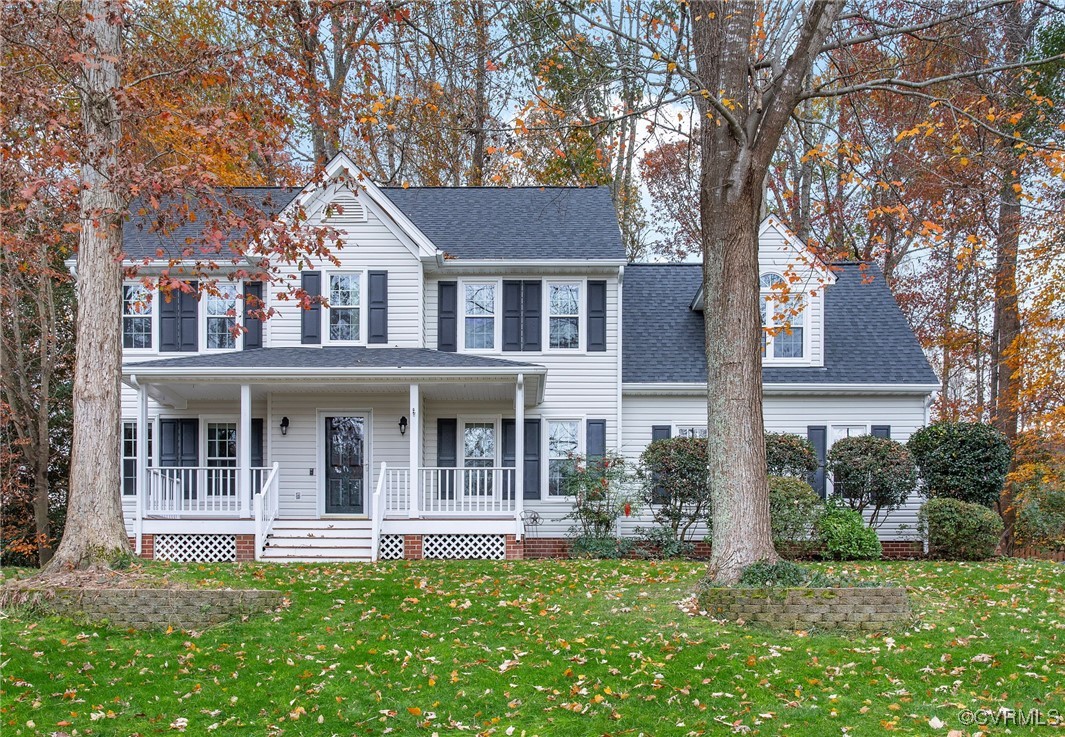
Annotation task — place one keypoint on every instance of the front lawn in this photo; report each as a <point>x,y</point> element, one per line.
<point>540,648</point>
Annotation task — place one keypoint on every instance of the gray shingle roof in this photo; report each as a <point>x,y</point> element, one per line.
<point>867,338</point>
<point>329,357</point>
<point>534,223</point>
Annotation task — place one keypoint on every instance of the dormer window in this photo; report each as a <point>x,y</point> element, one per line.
<point>783,322</point>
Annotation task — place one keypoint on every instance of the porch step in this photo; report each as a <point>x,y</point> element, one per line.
<point>319,541</point>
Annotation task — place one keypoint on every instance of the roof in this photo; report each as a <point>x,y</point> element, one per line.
<point>329,357</point>
<point>472,223</point>
<point>867,338</point>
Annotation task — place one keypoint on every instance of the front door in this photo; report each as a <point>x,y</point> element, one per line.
<point>345,470</point>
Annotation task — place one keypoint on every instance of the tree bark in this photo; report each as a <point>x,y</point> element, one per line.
<point>95,534</point>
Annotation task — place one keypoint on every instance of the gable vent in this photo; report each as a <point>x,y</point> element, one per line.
<point>345,209</point>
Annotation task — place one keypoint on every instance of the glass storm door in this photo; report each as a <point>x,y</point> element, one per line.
<point>345,472</point>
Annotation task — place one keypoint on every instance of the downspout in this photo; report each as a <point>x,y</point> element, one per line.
<point>618,378</point>
<point>142,471</point>
<point>927,421</point>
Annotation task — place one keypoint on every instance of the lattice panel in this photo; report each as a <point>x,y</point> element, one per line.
<point>391,547</point>
<point>196,548</point>
<point>465,547</point>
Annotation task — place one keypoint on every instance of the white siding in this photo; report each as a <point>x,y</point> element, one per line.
<point>777,254</point>
<point>905,415</point>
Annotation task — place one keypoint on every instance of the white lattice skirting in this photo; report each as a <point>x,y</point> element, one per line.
<point>391,547</point>
<point>465,547</point>
<point>196,548</point>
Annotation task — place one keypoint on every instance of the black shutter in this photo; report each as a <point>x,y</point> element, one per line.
<point>447,316</point>
<point>818,437</point>
<point>532,459</point>
<point>169,322</point>
<point>595,439</point>
<point>311,319</point>
<point>189,320</point>
<point>512,315</point>
<point>597,315</point>
<point>447,437</point>
<point>510,446</point>
<point>257,457</point>
<point>180,446</point>
<point>377,286</point>
<point>882,431</point>
<point>531,300</point>
<point>253,300</point>
<point>659,432</point>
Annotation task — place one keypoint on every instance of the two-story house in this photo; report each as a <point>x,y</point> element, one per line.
<point>471,340</point>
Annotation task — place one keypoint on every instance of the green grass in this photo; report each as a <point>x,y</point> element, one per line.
<point>545,647</point>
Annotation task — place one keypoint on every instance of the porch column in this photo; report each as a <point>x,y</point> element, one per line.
<point>519,453</point>
<point>142,463</point>
<point>244,451</point>
<point>414,430</point>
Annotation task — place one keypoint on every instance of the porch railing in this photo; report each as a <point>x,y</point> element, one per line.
<point>377,510</point>
<point>396,490</point>
<point>199,490</point>
<point>265,504</point>
<point>478,491</point>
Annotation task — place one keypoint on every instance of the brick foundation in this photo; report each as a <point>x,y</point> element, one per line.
<point>901,549</point>
<point>872,609</point>
<point>558,547</point>
<point>545,547</point>
<point>515,548</point>
<point>147,546</point>
<point>412,547</point>
<point>245,547</point>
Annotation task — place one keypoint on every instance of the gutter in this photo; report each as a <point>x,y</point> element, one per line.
<point>680,389</point>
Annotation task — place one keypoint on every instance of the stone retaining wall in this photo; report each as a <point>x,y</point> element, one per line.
<point>185,609</point>
<point>799,608</point>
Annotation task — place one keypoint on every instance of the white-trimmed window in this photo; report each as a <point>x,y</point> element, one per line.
<point>478,452</point>
<point>691,431</point>
<point>222,454</point>
<point>563,441</point>
<point>783,323</point>
<point>564,315</point>
<point>479,315</point>
<point>345,307</point>
<point>221,310</point>
<point>137,317</point>
<point>848,431</point>
<point>129,456</point>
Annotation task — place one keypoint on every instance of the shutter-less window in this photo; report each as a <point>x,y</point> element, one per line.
<point>818,437</point>
<point>447,316</point>
<point>597,315</point>
<point>447,434</point>
<point>253,301</point>
<point>881,431</point>
<point>377,287</point>
<point>658,493</point>
<point>311,319</point>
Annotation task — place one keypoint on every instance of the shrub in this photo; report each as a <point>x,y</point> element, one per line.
<point>789,455</point>
<point>676,485</point>
<point>967,461</point>
<point>589,546</point>
<point>845,536</point>
<point>871,473</point>
<point>659,543</point>
<point>794,508</point>
<point>1039,493</point>
<point>598,487</point>
<point>787,574</point>
<point>958,530</point>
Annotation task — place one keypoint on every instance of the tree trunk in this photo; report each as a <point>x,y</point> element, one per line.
<point>95,534</point>
<point>480,95</point>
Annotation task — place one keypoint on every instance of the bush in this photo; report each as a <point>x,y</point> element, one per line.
<point>598,487</point>
<point>676,485</point>
<point>794,508</point>
<point>958,530</point>
<point>845,536</point>
<point>659,543</point>
<point>789,455</point>
<point>967,461</point>
<point>786,574</point>
<point>871,473</point>
<point>589,546</point>
<point>1040,498</point>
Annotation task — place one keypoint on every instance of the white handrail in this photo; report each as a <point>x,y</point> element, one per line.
<point>378,512</point>
<point>265,505</point>
<point>197,491</point>
<point>477,491</point>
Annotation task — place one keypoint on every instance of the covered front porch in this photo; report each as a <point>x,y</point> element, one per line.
<point>246,439</point>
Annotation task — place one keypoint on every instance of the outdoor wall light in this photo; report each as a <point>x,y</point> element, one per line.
<point>403,425</point>
<point>284,426</point>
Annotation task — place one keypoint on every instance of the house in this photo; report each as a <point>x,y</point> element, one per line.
<point>465,329</point>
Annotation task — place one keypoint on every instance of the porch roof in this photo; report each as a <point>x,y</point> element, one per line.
<point>336,364</point>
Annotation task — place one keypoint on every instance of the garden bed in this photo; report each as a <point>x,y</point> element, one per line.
<point>801,608</point>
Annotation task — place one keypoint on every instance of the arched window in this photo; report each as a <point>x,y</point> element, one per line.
<point>790,317</point>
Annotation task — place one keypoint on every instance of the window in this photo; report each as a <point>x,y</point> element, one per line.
<point>848,431</point>
<point>691,431</point>
<point>564,313</point>
<point>789,318</point>
<point>136,317</point>
<point>478,451</point>
<point>480,309</point>
<point>345,303</point>
<point>561,446</point>
<point>129,456</point>
<point>222,318</point>
<point>222,455</point>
